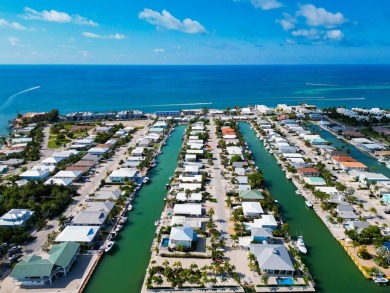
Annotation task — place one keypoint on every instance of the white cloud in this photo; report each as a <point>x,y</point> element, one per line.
<point>159,50</point>
<point>311,34</point>
<point>116,36</point>
<point>167,20</point>
<point>288,22</point>
<point>320,17</point>
<point>266,4</point>
<point>56,16</point>
<point>335,35</point>
<point>14,25</point>
<point>84,53</point>
<point>13,41</point>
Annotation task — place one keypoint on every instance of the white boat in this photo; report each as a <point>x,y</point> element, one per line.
<point>156,223</point>
<point>379,279</point>
<point>308,203</point>
<point>170,178</point>
<point>382,160</point>
<point>301,245</point>
<point>298,191</point>
<point>288,176</point>
<point>109,245</point>
<point>146,180</point>
<point>338,137</point>
<point>118,228</point>
<point>271,152</point>
<point>130,207</point>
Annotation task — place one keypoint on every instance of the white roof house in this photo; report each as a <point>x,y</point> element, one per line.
<point>190,186</point>
<point>191,169</point>
<point>181,236</point>
<point>252,209</point>
<point>188,209</point>
<point>181,196</point>
<point>186,222</point>
<point>192,178</point>
<point>234,150</point>
<point>68,175</point>
<point>65,154</point>
<point>120,175</point>
<point>139,151</point>
<point>59,181</point>
<point>52,160</point>
<point>49,168</point>
<point>85,234</point>
<point>266,221</point>
<point>190,158</point>
<point>15,218</point>
<point>98,151</point>
<point>106,195</point>
<point>327,189</point>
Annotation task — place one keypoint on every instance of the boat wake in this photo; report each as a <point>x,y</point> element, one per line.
<point>346,99</point>
<point>9,100</point>
<point>320,84</point>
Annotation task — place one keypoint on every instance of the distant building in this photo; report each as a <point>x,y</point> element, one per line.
<point>167,113</point>
<point>16,218</point>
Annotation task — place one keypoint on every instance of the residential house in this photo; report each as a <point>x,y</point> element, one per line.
<point>74,175</point>
<point>308,172</point>
<point>16,218</point>
<point>251,209</point>
<point>266,221</point>
<point>194,210</point>
<point>119,176</point>
<point>52,161</point>
<point>59,181</point>
<point>34,270</point>
<point>89,218</point>
<point>192,197</point>
<point>251,195</point>
<point>182,236</point>
<point>273,259</point>
<point>34,174</point>
<point>317,181</point>
<point>80,234</point>
<point>368,178</point>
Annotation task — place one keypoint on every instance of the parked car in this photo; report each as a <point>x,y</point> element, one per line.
<point>387,212</point>
<point>14,257</point>
<point>14,249</point>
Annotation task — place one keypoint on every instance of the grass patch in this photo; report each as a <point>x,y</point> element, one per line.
<point>52,144</point>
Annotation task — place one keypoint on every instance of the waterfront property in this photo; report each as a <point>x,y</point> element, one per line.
<point>252,209</point>
<point>80,234</point>
<point>273,259</point>
<point>34,270</point>
<point>182,236</point>
<point>34,174</point>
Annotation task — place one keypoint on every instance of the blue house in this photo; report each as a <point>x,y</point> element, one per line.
<point>262,234</point>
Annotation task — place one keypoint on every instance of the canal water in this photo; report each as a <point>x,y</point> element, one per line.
<point>367,160</point>
<point>329,264</point>
<point>123,269</point>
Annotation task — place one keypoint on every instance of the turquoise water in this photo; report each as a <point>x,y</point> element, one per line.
<point>285,281</point>
<point>165,242</point>
<point>124,269</point>
<point>332,268</point>
<point>69,88</point>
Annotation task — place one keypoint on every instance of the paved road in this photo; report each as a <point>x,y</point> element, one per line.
<point>218,185</point>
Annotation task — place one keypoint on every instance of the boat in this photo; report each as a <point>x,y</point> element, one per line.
<point>298,191</point>
<point>271,152</point>
<point>308,203</point>
<point>146,180</point>
<point>118,228</point>
<point>301,245</point>
<point>338,137</point>
<point>109,245</point>
<point>382,160</point>
<point>156,223</point>
<point>170,178</point>
<point>167,186</point>
<point>379,279</point>
<point>279,163</point>
<point>288,176</point>
<point>130,207</point>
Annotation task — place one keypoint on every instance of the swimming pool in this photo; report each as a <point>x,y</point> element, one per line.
<point>165,242</point>
<point>285,281</point>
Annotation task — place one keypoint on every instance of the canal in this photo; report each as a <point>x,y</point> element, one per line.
<point>359,155</point>
<point>123,269</point>
<point>330,265</point>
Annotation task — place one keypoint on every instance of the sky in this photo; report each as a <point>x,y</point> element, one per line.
<point>194,32</point>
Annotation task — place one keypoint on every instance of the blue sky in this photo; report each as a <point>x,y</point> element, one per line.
<point>194,31</point>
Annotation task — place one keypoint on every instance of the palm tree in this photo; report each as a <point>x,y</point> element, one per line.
<point>234,239</point>
<point>177,264</point>
<point>211,212</point>
<point>373,210</point>
<point>62,221</point>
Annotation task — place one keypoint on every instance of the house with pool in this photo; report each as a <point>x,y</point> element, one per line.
<point>182,236</point>
<point>273,259</point>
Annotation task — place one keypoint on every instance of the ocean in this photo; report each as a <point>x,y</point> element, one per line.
<point>25,88</point>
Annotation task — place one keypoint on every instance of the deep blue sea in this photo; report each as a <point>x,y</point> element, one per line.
<point>25,88</point>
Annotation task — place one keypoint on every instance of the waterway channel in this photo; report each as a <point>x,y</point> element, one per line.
<point>359,155</point>
<point>123,269</point>
<point>329,264</point>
